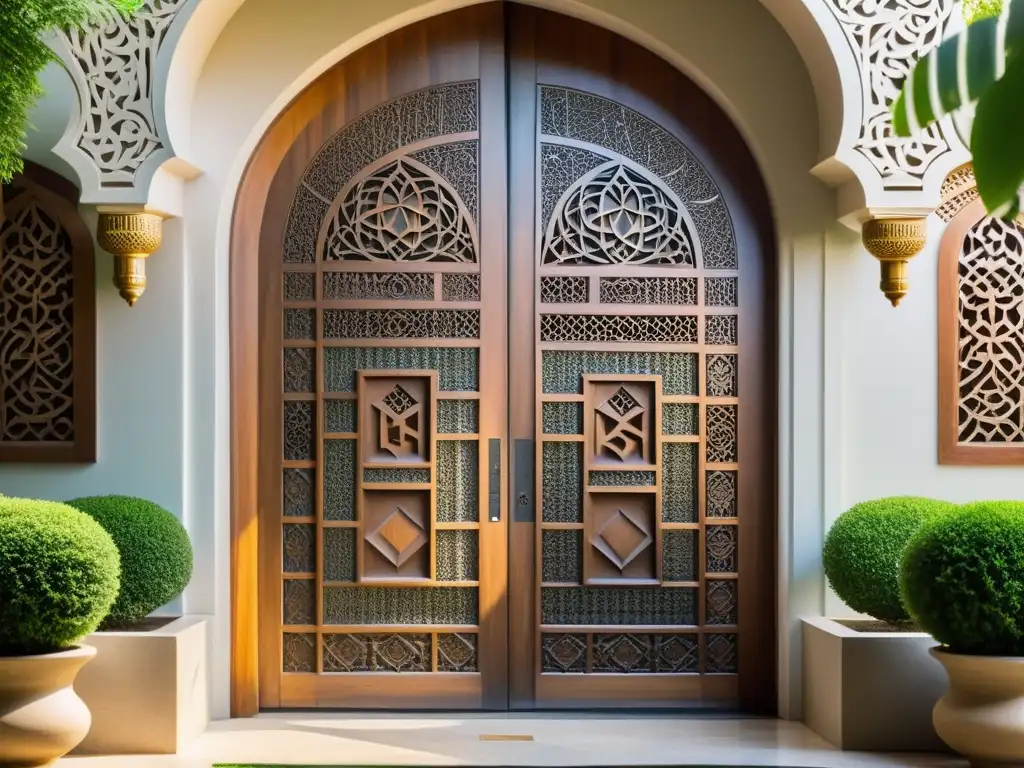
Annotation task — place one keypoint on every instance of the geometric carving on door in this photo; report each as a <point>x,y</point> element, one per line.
<point>394,425</point>
<point>402,212</point>
<point>623,420</point>
<point>621,531</point>
<point>399,423</point>
<point>397,531</point>
<point>616,215</point>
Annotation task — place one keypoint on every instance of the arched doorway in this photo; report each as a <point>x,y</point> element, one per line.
<point>515,332</point>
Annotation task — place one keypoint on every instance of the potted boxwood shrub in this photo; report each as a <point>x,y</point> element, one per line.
<point>869,683</point>
<point>59,575</point>
<point>156,555</point>
<point>147,688</point>
<point>963,581</point>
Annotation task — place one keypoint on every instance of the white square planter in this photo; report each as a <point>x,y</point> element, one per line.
<point>147,691</point>
<point>870,690</point>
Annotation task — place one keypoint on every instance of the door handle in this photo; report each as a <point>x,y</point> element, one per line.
<point>523,490</point>
<point>494,480</point>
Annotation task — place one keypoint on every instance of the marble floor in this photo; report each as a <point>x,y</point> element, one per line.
<point>489,740</point>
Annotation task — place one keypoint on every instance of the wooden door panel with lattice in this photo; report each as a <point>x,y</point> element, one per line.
<point>627,263</point>
<point>382,565</point>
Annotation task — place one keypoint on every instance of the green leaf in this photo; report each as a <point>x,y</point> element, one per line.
<point>959,71</point>
<point>996,141</point>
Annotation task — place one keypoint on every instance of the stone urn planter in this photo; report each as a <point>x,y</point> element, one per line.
<point>982,714</point>
<point>41,716</point>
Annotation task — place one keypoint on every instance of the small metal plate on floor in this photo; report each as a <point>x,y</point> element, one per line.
<point>505,737</point>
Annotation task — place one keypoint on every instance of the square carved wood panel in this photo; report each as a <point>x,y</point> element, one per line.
<point>395,418</point>
<point>396,535</point>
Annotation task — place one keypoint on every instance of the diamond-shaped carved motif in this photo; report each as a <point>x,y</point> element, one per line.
<point>397,653</point>
<point>564,653</point>
<point>622,402</point>
<point>398,537</point>
<point>399,400</point>
<point>623,536</point>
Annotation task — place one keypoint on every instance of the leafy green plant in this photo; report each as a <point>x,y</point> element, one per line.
<point>976,10</point>
<point>963,579</point>
<point>59,575</point>
<point>863,550</point>
<point>981,66</point>
<point>24,54</point>
<point>156,555</point>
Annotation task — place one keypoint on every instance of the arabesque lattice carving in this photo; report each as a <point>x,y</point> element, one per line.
<point>456,652</point>
<point>415,117</point>
<point>649,290</point>
<point>460,287</point>
<point>991,334</point>
<point>559,289</point>
<point>117,63</point>
<point>590,118</point>
<point>402,212</point>
<point>616,215</point>
<point>37,396</point>
<point>401,323</point>
<point>388,286</point>
<point>299,543</point>
<point>887,37</point>
<point>675,329</point>
<point>377,653</point>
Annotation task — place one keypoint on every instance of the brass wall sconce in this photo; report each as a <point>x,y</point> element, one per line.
<point>130,238</point>
<point>894,242</point>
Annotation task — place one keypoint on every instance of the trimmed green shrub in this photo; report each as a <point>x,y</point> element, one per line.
<point>963,579</point>
<point>863,550</point>
<point>156,555</point>
<point>59,575</point>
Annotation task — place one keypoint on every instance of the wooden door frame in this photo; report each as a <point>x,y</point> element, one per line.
<point>244,314</point>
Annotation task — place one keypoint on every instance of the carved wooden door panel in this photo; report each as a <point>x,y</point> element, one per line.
<point>637,265</point>
<point>383,383</point>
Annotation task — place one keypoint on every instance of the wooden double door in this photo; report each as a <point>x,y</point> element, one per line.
<point>515,426</point>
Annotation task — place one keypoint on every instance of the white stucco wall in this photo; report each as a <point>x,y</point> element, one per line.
<point>885,410</point>
<point>857,378</point>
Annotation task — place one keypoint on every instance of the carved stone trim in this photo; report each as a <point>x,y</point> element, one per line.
<point>887,37</point>
<point>115,68</point>
<point>958,191</point>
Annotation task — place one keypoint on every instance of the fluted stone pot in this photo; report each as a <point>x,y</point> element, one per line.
<point>41,716</point>
<point>982,714</point>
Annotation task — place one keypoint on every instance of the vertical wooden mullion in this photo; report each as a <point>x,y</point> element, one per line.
<point>320,414</point>
<point>359,501</point>
<point>492,536</point>
<point>701,462</point>
<point>656,427</point>
<point>432,501</point>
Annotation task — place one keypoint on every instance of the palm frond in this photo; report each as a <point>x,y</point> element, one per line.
<point>959,70</point>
